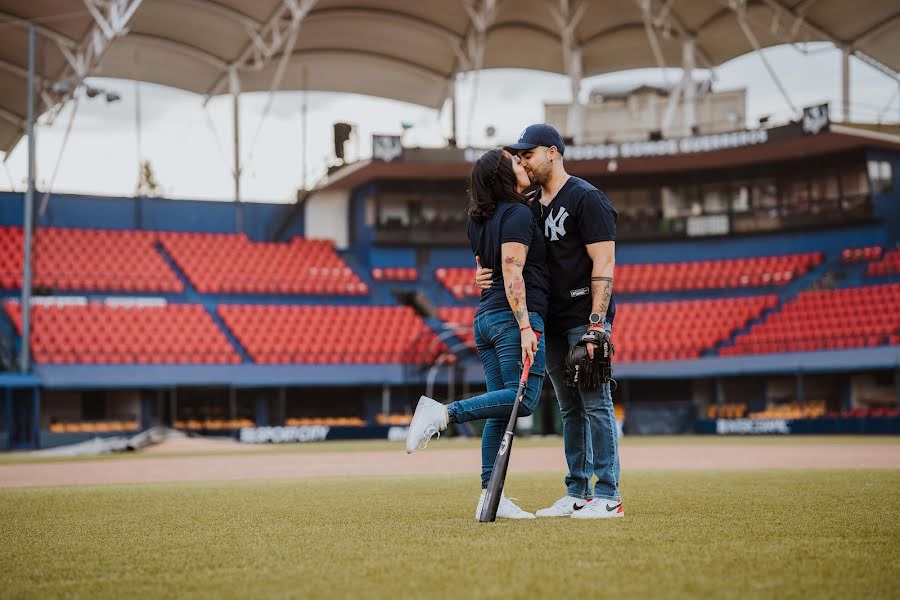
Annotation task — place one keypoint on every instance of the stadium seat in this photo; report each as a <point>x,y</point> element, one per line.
<point>274,334</point>
<point>864,254</point>
<point>88,260</point>
<point>653,331</point>
<point>459,281</point>
<point>835,319</point>
<point>101,334</point>
<point>232,263</point>
<point>395,274</point>
<point>714,274</point>
<point>888,265</point>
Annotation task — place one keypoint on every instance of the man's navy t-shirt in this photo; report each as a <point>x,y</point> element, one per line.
<point>579,214</point>
<point>511,223</point>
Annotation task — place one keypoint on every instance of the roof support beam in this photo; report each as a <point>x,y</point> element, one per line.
<point>876,30</point>
<point>668,18</point>
<point>13,69</point>
<point>110,22</point>
<point>180,48</point>
<point>50,34</point>
<point>781,9</point>
<point>649,27</point>
<point>568,15</point>
<point>470,52</point>
<point>740,12</point>
<point>229,13</point>
<point>12,118</point>
<point>265,43</point>
<point>845,84</point>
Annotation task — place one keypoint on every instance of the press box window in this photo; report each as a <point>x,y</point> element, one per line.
<point>881,176</point>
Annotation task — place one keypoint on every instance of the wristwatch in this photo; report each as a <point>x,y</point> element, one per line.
<point>595,319</point>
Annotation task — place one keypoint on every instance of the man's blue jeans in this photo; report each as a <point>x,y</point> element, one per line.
<point>499,345</point>
<point>590,436</point>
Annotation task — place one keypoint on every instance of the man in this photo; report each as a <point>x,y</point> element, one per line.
<point>579,225</point>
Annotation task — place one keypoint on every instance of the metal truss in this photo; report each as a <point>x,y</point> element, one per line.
<point>568,14</point>
<point>111,19</point>
<point>278,34</point>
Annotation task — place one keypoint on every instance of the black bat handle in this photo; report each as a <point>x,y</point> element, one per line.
<point>501,463</point>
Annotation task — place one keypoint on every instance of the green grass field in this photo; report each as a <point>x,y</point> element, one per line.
<point>766,534</point>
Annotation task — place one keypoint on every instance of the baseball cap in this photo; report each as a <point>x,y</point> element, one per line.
<point>539,134</point>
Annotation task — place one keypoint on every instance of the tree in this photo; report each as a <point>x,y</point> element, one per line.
<point>147,184</point>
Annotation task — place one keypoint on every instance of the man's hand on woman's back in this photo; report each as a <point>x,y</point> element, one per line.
<point>483,275</point>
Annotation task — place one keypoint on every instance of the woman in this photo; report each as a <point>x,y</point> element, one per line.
<point>509,318</point>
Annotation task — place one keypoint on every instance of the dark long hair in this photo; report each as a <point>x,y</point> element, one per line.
<point>492,181</point>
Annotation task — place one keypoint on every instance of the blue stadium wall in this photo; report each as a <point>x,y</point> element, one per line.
<point>163,214</point>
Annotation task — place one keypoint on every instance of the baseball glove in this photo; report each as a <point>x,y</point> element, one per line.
<point>584,372</point>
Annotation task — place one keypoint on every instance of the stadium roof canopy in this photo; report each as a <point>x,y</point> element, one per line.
<point>400,49</point>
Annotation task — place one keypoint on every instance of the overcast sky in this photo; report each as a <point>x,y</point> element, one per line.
<point>190,147</point>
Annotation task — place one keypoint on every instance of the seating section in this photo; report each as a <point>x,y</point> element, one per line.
<point>888,265</point>
<point>736,410</point>
<point>869,412</point>
<point>393,419</point>
<point>809,410</point>
<point>864,254</point>
<point>88,260</point>
<point>232,263</point>
<point>651,331</point>
<point>713,274</point>
<point>460,281</point>
<point>213,424</point>
<point>827,319</point>
<point>325,421</point>
<point>459,319</point>
<point>101,334</point>
<point>331,334</point>
<point>645,331</point>
<point>94,426</point>
<point>395,274</point>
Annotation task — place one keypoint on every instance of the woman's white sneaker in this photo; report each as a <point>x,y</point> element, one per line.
<point>563,507</point>
<point>599,508</point>
<point>506,509</point>
<point>429,420</point>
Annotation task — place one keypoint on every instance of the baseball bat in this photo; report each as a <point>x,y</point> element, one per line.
<point>498,475</point>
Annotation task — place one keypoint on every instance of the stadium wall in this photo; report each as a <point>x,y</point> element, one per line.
<point>163,214</point>
<point>887,205</point>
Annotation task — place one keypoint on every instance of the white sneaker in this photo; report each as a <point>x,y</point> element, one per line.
<point>563,507</point>
<point>598,508</point>
<point>430,420</point>
<point>506,509</point>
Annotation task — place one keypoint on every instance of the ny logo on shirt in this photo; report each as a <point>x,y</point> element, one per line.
<point>555,227</point>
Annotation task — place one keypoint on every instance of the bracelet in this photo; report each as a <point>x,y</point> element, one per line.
<point>524,328</point>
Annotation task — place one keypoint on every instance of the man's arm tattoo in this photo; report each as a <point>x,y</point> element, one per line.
<point>601,287</point>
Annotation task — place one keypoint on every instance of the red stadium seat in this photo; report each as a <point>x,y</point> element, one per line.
<point>101,334</point>
<point>325,334</point>
<point>869,316</point>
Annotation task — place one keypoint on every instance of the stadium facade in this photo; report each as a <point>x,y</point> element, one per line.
<point>758,277</point>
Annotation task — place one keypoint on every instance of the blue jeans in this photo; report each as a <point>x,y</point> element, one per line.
<point>499,345</point>
<point>590,435</point>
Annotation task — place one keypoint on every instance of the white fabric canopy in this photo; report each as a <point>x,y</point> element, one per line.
<point>400,49</point>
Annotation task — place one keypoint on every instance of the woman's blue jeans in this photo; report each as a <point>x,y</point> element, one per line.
<point>499,344</point>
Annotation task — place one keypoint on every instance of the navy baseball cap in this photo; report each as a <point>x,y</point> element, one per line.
<point>540,134</point>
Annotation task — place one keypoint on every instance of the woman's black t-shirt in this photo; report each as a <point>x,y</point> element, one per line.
<point>512,222</point>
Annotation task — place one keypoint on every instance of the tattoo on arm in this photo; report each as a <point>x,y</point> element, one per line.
<point>515,294</point>
<point>513,261</point>
<point>601,287</point>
